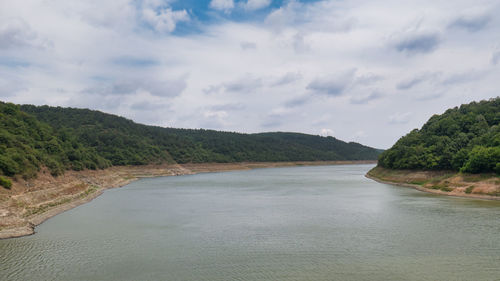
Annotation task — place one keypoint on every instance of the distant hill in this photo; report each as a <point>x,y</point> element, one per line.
<point>32,137</point>
<point>465,138</point>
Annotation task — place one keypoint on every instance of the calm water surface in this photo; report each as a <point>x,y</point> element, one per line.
<point>300,223</point>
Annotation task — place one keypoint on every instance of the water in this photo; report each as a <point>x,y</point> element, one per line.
<point>299,223</point>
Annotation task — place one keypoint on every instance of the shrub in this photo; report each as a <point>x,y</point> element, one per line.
<point>482,159</point>
<point>446,189</point>
<point>8,166</point>
<point>469,189</point>
<point>5,182</point>
<point>55,168</point>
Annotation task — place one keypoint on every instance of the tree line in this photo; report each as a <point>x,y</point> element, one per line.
<point>465,138</point>
<point>34,137</point>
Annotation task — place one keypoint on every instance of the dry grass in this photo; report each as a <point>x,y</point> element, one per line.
<point>443,181</point>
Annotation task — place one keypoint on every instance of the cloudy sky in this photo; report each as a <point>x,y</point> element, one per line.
<point>361,70</point>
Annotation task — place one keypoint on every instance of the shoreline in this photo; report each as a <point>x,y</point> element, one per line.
<point>456,191</point>
<point>433,191</point>
<point>30,203</point>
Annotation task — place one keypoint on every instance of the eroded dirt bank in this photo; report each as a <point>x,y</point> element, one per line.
<point>29,203</point>
<point>481,186</point>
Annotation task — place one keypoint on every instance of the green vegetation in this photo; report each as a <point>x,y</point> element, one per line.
<point>35,137</point>
<point>469,189</point>
<point>44,207</point>
<point>465,138</point>
<point>5,182</point>
<point>27,145</point>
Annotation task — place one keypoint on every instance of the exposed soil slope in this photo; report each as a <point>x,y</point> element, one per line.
<point>483,186</point>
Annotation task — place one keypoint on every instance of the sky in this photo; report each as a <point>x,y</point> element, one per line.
<point>367,71</point>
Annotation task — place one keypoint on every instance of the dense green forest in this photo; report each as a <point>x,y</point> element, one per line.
<point>465,138</point>
<point>33,137</point>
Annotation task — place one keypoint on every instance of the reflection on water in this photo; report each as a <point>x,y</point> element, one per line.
<point>300,223</point>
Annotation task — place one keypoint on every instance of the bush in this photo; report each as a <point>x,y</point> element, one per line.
<point>482,160</point>
<point>55,168</point>
<point>469,189</point>
<point>5,182</point>
<point>8,166</point>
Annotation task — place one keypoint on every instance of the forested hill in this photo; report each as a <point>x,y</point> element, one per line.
<point>32,137</point>
<point>465,138</point>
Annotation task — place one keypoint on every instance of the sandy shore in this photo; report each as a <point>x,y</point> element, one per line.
<point>29,203</point>
<point>441,182</point>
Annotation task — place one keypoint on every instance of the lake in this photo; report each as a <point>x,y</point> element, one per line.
<point>294,223</point>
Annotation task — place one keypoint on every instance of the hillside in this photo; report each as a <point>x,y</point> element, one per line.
<point>465,138</point>
<point>34,137</point>
<point>455,153</point>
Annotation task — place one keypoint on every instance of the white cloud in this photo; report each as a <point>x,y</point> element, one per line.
<point>400,118</point>
<point>495,56</point>
<point>222,5</point>
<point>326,132</point>
<point>307,67</point>
<point>285,16</point>
<point>253,5</point>
<point>248,45</point>
<point>164,20</point>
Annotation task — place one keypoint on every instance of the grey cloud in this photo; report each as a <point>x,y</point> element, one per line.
<point>272,121</point>
<point>295,102</point>
<point>286,79</point>
<point>246,84</point>
<point>11,86</point>
<point>213,89</point>
<point>228,107</point>
<point>418,43</point>
<point>16,33</point>
<point>416,80</point>
<point>134,61</point>
<point>249,83</point>
<point>160,88</point>
<point>248,45</point>
<point>400,118</point>
<point>147,106</point>
<point>464,77</point>
<point>471,23</point>
<point>124,87</point>
<point>331,85</point>
<point>212,123</point>
<point>214,119</point>
<point>495,57</point>
<point>430,97</point>
<point>299,44</point>
<point>168,88</point>
<point>13,62</point>
<point>277,117</point>
<point>96,101</point>
<point>366,98</point>
<point>368,79</point>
